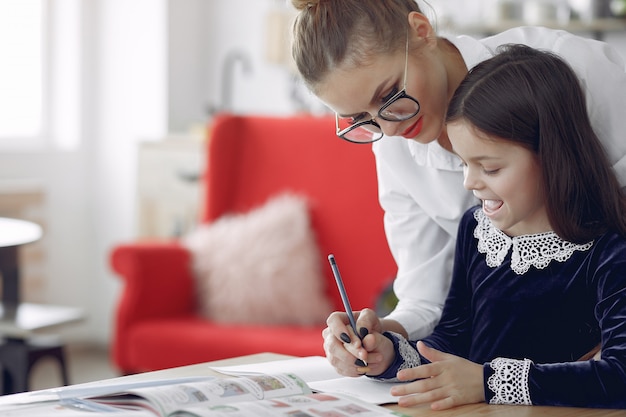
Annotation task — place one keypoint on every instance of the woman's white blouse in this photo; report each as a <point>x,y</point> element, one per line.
<point>421,186</point>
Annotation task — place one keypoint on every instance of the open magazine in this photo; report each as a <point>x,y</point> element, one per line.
<point>257,395</point>
<point>297,387</point>
<point>320,376</point>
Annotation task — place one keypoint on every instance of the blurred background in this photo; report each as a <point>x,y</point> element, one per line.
<point>105,105</point>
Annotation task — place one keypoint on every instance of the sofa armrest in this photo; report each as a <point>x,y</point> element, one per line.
<point>158,280</point>
<point>157,283</point>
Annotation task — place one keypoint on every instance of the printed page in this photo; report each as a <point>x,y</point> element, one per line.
<point>55,409</point>
<point>318,404</point>
<point>162,400</point>
<point>89,389</point>
<point>320,375</point>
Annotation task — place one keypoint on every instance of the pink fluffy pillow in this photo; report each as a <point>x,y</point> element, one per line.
<point>260,267</point>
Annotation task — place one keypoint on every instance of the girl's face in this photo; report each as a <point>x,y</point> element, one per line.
<point>360,92</point>
<point>505,176</point>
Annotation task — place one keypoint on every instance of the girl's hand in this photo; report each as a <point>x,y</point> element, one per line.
<point>448,381</point>
<point>343,348</point>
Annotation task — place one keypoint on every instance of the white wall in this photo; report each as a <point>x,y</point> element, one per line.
<point>201,35</point>
<point>129,103</point>
<point>149,66</point>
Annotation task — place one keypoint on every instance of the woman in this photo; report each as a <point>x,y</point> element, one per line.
<point>356,55</point>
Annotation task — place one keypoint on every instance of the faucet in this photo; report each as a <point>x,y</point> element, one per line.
<point>228,70</point>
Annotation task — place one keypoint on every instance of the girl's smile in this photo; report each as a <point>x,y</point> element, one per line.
<point>491,207</point>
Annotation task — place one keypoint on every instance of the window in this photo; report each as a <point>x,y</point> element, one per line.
<point>21,69</point>
<point>40,75</point>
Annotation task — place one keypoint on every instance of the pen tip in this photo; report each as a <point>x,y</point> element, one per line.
<point>331,257</point>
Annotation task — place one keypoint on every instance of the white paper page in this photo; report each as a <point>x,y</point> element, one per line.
<point>310,368</point>
<point>55,409</point>
<point>363,388</point>
<point>320,375</point>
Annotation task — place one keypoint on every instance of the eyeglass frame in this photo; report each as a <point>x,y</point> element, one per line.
<point>399,95</point>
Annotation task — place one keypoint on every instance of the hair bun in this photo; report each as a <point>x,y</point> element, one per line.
<point>304,4</point>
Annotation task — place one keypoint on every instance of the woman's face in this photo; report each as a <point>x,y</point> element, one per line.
<point>360,92</point>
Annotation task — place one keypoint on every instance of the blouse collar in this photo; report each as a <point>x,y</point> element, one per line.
<point>433,155</point>
<point>537,250</point>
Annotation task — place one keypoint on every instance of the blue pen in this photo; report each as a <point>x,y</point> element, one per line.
<point>344,295</point>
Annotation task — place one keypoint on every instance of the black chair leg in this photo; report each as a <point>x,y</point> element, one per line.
<point>18,356</point>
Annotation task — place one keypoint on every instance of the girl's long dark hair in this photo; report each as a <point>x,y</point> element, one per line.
<point>534,98</point>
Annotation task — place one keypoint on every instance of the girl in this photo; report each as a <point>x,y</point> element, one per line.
<point>540,267</point>
<point>381,67</point>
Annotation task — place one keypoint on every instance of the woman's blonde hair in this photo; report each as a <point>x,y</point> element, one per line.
<point>329,33</point>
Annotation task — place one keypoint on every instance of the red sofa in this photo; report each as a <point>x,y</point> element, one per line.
<point>249,158</point>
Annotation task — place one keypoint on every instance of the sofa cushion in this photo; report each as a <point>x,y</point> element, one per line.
<point>187,340</point>
<point>260,267</point>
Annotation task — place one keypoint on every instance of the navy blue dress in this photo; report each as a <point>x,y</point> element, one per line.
<point>528,308</point>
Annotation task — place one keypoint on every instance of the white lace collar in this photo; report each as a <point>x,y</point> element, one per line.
<point>537,250</point>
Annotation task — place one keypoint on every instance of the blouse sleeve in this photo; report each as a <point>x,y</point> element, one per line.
<point>453,331</point>
<point>601,71</point>
<point>421,243</point>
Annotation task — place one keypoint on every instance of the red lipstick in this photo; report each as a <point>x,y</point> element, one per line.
<point>414,129</point>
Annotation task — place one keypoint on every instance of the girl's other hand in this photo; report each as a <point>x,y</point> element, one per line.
<point>448,381</point>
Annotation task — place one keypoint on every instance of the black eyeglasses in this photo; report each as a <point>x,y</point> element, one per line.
<point>398,108</point>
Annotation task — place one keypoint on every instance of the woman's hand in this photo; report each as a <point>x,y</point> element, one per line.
<point>344,349</point>
<point>448,381</point>
<point>381,352</point>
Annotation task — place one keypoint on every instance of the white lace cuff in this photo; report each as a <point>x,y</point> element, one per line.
<point>410,357</point>
<point>406,357</point>
<point>509,381</point>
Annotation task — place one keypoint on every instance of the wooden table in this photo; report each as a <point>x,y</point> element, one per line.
<point>482,410</point>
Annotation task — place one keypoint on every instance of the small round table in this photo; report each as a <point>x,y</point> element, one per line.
<point>18,353</point>
<point>13,233</point>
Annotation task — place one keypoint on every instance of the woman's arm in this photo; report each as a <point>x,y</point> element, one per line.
<point>423,205</point>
